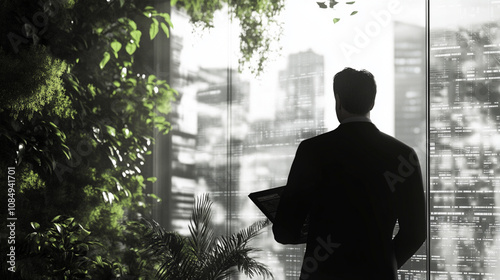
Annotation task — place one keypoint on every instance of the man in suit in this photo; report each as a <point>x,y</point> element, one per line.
<point>352,184</point>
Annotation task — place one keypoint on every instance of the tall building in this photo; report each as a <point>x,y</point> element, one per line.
<point>223,106</point>
<point>464,150</point>
<point>409,86</point>
<point>270,145</point>
<point>302,107</point>
<point>410,111</point>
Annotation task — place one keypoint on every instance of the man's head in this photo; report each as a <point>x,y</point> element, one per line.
<point>354,92</point>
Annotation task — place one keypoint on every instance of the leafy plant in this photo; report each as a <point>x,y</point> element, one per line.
<point>80,108</point>
<point>202,255</point>
<point>62,252</point>
<point>260,28</point>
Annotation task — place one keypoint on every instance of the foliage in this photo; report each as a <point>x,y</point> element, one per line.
<point>260,28</point>
<point>79,112</point>
<point>34,81</point>
<point>78,116</point>
<point>202,256</point>
<point>332,4</point>
<point>62,252</point>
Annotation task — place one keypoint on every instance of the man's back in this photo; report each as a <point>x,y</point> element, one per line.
<point>353,183</point>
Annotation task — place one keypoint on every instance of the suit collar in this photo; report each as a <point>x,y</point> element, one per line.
<point>356,119</point>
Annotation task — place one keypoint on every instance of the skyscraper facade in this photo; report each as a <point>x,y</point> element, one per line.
<point>465,142</point>
<point>410,112</point>
<point>271,144</point>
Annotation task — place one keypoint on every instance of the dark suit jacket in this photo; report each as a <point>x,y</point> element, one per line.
<point>353,183</point>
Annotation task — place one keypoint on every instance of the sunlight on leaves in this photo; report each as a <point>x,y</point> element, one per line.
<point>104,60</point>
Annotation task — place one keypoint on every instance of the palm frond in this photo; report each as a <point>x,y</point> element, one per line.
<point>176,260</point>
<point>202,256</point>
<point>233,252</point>
<point>202,234</point>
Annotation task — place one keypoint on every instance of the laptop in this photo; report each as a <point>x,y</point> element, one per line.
<point>268,200</point>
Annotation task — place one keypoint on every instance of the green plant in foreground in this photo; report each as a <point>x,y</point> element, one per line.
<point>202,255</point>
<point>63,251</point>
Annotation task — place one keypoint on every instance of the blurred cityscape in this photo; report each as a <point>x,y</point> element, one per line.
<point>464,144</point>
<point>216,148</point>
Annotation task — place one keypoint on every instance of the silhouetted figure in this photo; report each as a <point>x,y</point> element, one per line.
<point>352,184</point>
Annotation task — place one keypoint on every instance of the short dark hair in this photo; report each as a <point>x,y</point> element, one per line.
<point>356,90</point>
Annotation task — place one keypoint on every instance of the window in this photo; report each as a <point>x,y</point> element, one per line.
<point>464,139</point>
<point>235,133</point>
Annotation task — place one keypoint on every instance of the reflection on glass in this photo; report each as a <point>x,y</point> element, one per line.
<point>464,139</point>
<point>234,133</point>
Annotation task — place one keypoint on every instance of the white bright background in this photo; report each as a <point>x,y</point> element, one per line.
<point>361,41</point>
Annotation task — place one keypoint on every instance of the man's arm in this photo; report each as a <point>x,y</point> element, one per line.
<point>296,198</point>
<point>411,214</point>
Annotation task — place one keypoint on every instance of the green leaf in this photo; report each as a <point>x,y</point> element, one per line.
<point>111,130</point>
<point>104,60</point>
<point>35,225</point>
<point>152,179</point>
<point>151,78</point>
<point>150,9</point>
<point>68,156</point>
<point>335,20</point>
<point>86,232</point>
<point>127,133</point>
<point>99,260</point>
<point>56,218</point>
<point>136,35</point>
<point>122,2</point>
<point>154,196</point>
<point>164,27</point>
<point>353,13</point>
<point>91,89</point>
<point>133,81</point>
<point>58,227</point>
<point>167,19</point>
<point>150,106</point>
<point>173,2</point>
<point>128,22</point>
<point>116,46</point>
<point>69,220</point>
<point>322,5</point>
<point>130,48</point>
<point>153,29</point>
<point>159,119</point>
<point>350,3</point>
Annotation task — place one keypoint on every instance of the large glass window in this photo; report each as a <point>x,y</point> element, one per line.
<point>464,139</point>
<point>235,133</point>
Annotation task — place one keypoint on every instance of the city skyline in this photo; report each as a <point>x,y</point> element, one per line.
<point>259,154</point>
